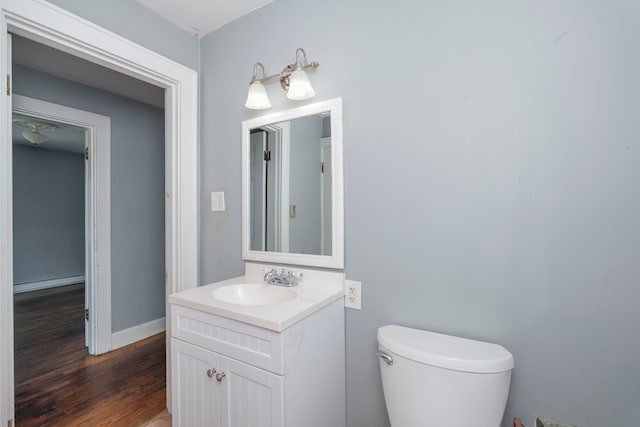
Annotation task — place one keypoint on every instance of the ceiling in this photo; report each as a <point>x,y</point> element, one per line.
<point>200,17</point>
<point>46,59</point>
<point>64,137</point>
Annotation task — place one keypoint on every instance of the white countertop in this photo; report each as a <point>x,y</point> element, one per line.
<point>315,290</point>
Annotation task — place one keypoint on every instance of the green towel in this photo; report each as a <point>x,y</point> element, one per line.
<point>548,422</point>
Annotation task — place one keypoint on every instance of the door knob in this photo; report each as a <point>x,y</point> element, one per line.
<point>211,373</point>
<point>220,376</point>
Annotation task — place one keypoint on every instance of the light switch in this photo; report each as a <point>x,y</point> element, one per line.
<point>217,201</point>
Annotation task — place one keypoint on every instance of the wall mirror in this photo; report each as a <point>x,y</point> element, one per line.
<point>292,186</point>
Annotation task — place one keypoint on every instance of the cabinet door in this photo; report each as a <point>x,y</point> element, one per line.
<point>250,396</point>
<point>196,392</point>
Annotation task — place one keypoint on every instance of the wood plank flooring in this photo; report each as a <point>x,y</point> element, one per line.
<point>57,383</point>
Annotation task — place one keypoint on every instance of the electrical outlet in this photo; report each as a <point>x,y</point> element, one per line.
<point>353,295</point>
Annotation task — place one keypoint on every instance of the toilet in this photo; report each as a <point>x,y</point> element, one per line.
<point>436,380</point>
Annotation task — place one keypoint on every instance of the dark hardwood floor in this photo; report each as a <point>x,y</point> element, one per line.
<point>57,383</point>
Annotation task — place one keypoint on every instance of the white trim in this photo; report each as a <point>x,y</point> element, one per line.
<point>336,259</point>
<point>284,144</point>
<point>46,284</point>
<point>6,242</point>
<point>55,27</point>
<point>98,215</point>
<point>281,133</point>
<point>285,165</point>
<point>324,143</point>
<point>89,266</point>
<point>137,333</point>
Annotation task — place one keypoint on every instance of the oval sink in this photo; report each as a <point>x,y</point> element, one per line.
<point>254,294</point>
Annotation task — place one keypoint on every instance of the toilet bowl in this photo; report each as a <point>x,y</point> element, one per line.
<point>436,380</point>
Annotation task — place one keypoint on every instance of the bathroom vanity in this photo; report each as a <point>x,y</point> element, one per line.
<point>249,354</point>
<point>251,362</point>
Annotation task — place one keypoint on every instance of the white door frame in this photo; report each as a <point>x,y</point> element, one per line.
<point>325,143</point>
<point>280,133</point>
<point>257,160</point>
<point>55,27</point>
<point>98,212</point>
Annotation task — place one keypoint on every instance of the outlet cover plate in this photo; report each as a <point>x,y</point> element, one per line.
<point>353,294</point>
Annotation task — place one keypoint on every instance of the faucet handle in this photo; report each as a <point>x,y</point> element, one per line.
<point>268,272</point>
<point>296,274</point>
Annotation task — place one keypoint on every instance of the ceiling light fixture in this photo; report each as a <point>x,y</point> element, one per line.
<point>34,136</point>
<point>293,79</point>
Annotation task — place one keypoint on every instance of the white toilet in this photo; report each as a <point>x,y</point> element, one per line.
<point>435,380</point>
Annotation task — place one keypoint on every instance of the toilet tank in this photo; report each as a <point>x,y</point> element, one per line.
<point>438,380</point>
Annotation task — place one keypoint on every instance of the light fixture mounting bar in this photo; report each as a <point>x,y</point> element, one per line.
<point>286,71</point>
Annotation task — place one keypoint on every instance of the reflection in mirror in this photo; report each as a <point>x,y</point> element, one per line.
<point>290,186</point>
<point>292,202</point>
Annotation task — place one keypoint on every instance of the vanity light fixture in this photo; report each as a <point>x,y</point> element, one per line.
<point>257,98</point>
<point>293,79</point>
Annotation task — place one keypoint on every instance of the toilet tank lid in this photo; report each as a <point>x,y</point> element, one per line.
<point>445,351</point>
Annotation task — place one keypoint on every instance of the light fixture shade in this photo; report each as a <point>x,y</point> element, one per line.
<point>257,98</point>
<point>35,137</point>
<point>300,86</point>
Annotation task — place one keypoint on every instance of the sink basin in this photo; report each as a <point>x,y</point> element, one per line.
<point>254,294</point>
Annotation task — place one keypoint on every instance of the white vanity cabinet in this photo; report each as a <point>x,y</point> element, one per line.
<point>233,374</point>
<point>195,394</point>
<point>244,396</point>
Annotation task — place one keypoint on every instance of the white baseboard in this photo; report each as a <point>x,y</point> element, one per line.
<point>45,284</point>
<point>137,333</point>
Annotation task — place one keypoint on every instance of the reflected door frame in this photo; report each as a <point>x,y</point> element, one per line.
<point>257,178</point>
<point>280,142</point>
<point>325,196</point>
<point>269,186</point>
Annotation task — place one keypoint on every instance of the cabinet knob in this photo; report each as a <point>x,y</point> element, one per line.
<point>220,376</point>
<point>211,373</point>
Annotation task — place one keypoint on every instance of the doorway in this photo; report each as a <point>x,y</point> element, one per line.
<point>50,190</point>
<point>55,27</point>
<point>48,203</point>
<point>92,145</point>
<point>137,182</point>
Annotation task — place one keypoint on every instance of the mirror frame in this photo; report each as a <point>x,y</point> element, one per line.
<point>336,259</point>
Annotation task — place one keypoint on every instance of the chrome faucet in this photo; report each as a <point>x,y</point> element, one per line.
<point>272,277</point>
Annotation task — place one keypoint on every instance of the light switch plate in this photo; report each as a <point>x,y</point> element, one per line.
<point>217,201</point>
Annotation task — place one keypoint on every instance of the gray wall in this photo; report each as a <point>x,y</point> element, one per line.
<point>326,127</point>
<point>139,24</point>
<point>304,187</point>
<point>491,181</point>
<point>48,214</point>
<point>137,191</point>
